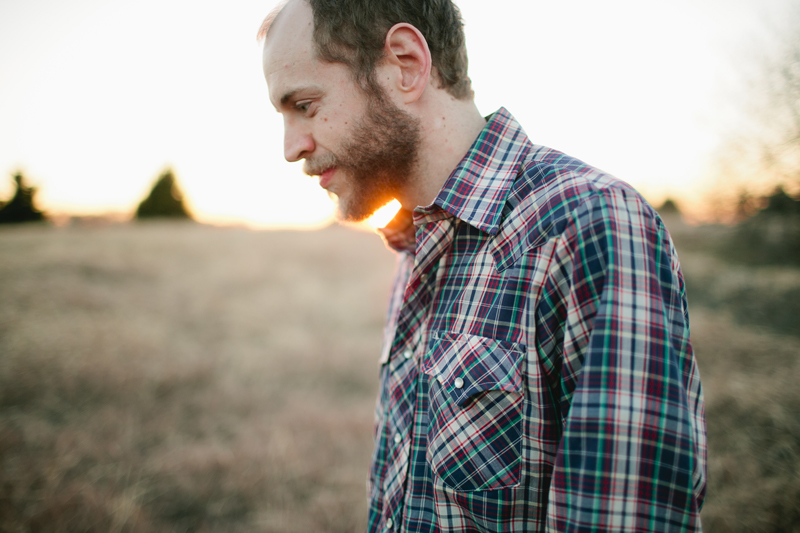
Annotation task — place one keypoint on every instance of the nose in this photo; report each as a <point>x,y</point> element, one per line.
<point>297,141</point>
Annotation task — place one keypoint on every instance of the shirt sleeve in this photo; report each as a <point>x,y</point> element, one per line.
<point>632,453</point>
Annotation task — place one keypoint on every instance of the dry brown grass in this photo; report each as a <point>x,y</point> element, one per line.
<point>750,379</point>
<point>177,377</point>
<point>746,333</point>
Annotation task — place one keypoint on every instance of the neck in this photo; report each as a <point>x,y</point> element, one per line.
<point>449,127</point>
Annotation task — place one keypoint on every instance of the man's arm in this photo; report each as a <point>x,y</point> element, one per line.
<point>632,451</point>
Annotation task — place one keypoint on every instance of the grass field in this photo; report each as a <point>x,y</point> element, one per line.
<point>177,377</point>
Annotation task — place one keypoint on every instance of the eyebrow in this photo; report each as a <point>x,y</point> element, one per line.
<point>288,96</point>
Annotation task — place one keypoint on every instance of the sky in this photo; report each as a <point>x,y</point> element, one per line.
<point>98,97</point>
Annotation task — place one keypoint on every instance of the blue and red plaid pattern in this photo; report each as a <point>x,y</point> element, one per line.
<point>537,373</point>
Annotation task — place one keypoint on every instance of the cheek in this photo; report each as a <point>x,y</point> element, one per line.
<point>335,122</point>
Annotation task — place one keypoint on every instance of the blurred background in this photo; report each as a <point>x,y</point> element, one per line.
<point>178,352</point>
<point>97,97</point>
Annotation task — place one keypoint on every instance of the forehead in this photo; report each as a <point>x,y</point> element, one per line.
<point>288,54</point>
<point>291,30</point>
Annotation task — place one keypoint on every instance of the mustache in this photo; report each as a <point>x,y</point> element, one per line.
<point>318,165</point>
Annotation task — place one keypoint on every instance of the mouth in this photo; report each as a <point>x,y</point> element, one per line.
<point>326,176</point>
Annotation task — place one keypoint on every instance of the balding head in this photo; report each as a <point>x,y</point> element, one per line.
<point>263,30</point>
<point>353,32</point>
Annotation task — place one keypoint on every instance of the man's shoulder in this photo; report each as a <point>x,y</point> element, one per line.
<point>552,190</point>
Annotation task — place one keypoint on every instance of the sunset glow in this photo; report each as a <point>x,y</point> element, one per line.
<point>97,97</point>
<point>382,216</point>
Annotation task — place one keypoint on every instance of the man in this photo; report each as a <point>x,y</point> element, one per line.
<point>537,373</point>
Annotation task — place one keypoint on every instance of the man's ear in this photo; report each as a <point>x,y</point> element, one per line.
<point>407,50</point>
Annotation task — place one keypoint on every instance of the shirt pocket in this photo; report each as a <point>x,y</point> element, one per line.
<point>475,411</point>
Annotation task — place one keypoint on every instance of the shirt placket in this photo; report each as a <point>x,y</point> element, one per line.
<point>433,238</point>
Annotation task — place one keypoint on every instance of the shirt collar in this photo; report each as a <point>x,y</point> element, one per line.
<point>478,187</point>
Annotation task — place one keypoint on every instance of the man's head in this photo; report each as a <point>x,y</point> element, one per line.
<point>358,141</point>
<point>371,114</point>
<point>353,32</point>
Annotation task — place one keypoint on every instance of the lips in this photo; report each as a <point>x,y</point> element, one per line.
<point>326,177</point>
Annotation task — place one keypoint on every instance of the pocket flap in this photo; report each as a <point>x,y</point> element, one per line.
<point>466,365</point>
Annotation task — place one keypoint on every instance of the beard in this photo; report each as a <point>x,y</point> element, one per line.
<point>377,160</point>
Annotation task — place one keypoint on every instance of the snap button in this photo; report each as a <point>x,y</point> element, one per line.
<point>459,383</point>
<point>408,353</point>
<point>397,438</point>
<point>389,523</point>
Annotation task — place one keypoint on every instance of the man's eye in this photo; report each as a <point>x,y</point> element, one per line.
<point>302,106</point>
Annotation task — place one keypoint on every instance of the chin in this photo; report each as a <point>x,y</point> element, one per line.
<point>349,216</point>
<point>345,212</point>
<point>355,206</point>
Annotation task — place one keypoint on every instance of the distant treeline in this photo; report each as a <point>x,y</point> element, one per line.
<point>767,231</point>
<point>749,271</point>
<point>771,235</point>
<point>165,200</point>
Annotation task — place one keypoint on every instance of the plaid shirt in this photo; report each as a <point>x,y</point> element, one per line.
<point>537,373</point>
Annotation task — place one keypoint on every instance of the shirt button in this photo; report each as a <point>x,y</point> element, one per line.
<point>408,353</point>
<point>397,438</point>
<point>459,383</point>
<point>389,523</point>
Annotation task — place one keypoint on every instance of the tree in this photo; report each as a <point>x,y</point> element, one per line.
<point>780,203</point>
<point>668,208</point>
<point>165,199</point>
<point>20,208</point>
<point>771,235</point>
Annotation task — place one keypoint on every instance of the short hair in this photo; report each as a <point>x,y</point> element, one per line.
<point>263,30</point>
<point>353,32</point>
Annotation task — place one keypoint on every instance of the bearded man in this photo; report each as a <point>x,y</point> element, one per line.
<point>536,373</point>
